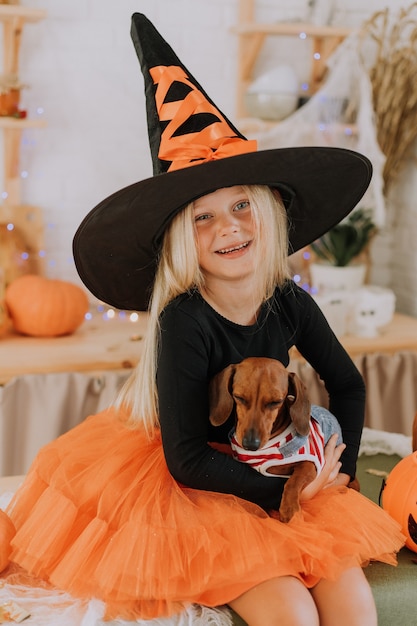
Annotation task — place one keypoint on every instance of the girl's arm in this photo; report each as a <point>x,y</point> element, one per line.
<point>344,383</point>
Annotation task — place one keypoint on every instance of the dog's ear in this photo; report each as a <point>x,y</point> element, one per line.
<point>220,395</point>
<point>298,404</point>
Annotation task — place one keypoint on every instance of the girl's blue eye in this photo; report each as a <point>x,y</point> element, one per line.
<point>242,205</point>
<point>200,218</point>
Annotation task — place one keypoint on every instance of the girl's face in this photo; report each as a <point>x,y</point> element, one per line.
<point>225,234</point>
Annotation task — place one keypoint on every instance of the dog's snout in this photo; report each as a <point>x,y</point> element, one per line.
<point>251,440</point>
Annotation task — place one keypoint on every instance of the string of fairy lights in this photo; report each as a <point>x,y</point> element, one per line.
<point>108,314</point>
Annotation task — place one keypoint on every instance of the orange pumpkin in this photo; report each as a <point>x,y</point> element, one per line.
<point>43,307</point>
<point>399,497</point>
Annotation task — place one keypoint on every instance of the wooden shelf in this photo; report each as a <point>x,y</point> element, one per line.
<point>12,131</point>
<point>15,123</point>
<point>10,12</point>
<point>252,35</point>
<point>292,29</point>
<point>13,18</point>
<point>250,126</point>
<point>27,220</point>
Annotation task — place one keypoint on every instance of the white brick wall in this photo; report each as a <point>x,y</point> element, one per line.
<point>83,73</point>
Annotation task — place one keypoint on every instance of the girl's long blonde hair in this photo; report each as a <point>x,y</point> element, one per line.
<point>179,272</point>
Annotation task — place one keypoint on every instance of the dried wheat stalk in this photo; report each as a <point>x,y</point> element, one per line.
<point>393,75</point>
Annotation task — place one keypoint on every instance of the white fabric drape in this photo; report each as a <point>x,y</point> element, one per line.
<point>345,93</point>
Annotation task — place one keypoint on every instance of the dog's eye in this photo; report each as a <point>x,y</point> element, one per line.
<point>240,400</point>
<point>274,404</point>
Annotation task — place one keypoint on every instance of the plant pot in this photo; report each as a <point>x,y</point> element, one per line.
<point>329,278</point>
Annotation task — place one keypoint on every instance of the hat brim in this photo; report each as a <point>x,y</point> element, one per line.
<point>117,244</point>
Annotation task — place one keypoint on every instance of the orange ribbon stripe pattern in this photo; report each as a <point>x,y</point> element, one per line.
<point>216,141</point>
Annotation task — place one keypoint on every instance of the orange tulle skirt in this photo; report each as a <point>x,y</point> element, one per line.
<point>100,516</point>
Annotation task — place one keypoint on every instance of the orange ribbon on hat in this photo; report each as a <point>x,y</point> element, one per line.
<point>216,141</point>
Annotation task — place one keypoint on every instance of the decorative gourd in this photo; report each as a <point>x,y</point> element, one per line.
<point>43,307</point>
<point>399,497</point>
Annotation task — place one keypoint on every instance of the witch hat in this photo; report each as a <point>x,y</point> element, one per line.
<point>195,150</point>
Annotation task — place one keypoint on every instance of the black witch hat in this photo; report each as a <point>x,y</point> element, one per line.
<point>196,150</point>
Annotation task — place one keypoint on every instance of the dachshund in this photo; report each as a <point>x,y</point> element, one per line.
<point>271,407</point>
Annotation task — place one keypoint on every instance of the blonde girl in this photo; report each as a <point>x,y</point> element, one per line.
<point>138,506</point>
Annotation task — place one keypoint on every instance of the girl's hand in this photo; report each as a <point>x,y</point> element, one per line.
<point>329,475</point>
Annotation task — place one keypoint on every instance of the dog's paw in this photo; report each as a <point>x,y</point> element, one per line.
<point>287,512</point>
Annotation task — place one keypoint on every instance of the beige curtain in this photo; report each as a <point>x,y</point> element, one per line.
<point>35,409</point>
<point>391,384</point>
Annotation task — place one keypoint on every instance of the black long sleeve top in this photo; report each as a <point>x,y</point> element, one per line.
<point>197,342</point>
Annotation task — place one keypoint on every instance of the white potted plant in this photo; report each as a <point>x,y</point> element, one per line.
<point>339,254</point>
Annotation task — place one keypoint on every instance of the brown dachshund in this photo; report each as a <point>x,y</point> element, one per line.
<point>266,398</point>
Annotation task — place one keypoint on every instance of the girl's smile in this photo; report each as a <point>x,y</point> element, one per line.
<point>235,249</point>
